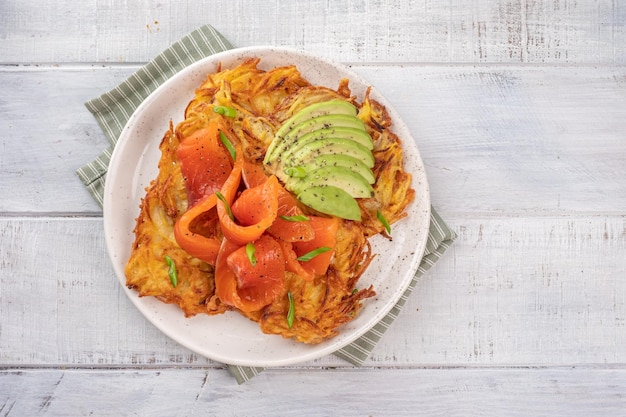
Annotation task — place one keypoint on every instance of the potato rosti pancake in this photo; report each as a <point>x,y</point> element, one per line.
<point>197,243</point>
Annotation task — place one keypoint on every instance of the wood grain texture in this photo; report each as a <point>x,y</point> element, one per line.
<point>472,31</point>
<point>550,139</point>
<point>511,291</point>
<point>519,110</point>
<point>432,392</point>
<point>46,135</point>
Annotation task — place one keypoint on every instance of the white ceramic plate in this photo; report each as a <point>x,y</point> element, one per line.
<point>230,338</point>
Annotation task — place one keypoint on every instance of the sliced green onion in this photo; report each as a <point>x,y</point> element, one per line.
<point>225,111</point>
<point>310,255</point>
<point>297,172</point>
<point>172,271</point>
<point>228,145</point>
<point>383,221</point>
<point>291,314</point>
<point>228,210</point>
<point>299,218</point>
<point>250,251</point>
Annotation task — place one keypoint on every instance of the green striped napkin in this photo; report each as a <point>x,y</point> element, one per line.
<point>113,109</point>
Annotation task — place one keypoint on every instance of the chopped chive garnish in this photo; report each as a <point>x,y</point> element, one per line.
<point>225,111</point>
<point>310,255</point>
<point>228,210</point>
<point>250,251</point>
<point>383,221</point>
<point>299,218</point>
<point>291,314</point>
<point>297,172</point>
<point>228,145</point>
<point>172,271</point>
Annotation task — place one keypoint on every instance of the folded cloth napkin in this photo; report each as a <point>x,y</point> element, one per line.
<point>113,109</point>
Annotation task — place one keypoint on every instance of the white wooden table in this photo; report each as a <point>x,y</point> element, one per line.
<point>519,110</point>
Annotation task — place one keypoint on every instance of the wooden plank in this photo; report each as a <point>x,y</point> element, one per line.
<point>393,392</point>
<point>548,139</point>
<point>512,290</point>
<point>47,133</point>
<point>526,31</point>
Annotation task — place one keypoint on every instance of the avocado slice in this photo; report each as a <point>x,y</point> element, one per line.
<point>331,200</point>
<point>325,121</point>
<point>309,112</point>
<point>359,136</point>
<point>329,146</point>
<point>303,144</point>
<point>323,154</point>
<point>310,125</point>
<point>341,177</point>
<point>339,160</point>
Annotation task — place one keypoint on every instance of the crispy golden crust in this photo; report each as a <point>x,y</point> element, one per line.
<point>263,100</point>
<point>329,301</point>
<point>392,190</point>
<point>146,270</point>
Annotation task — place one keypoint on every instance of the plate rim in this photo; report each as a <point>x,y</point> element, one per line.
<point>419,244</point>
